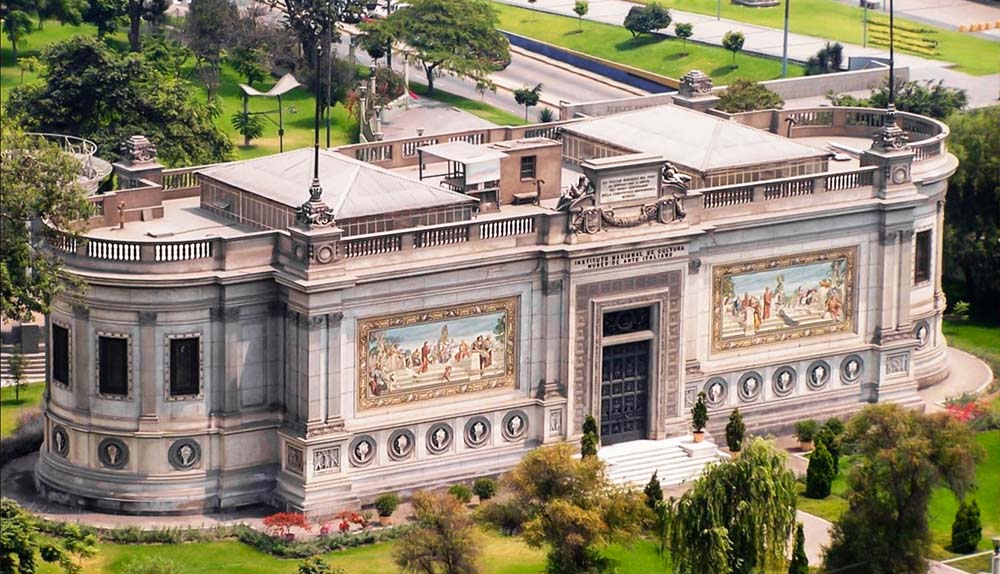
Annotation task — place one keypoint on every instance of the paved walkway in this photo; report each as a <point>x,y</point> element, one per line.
<point>968,375</point>
<point>983,90</point>
<point>948,14</point>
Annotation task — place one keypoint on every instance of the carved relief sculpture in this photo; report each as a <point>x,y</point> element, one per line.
<point>775,300</point>
<point>437,353</point>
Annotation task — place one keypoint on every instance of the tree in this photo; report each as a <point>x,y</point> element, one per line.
<point>580,8</point>
<point>735,431</point>
<point>148,10</point>
<point>17,24</point>
<point>106,15</point>
<point>901,457</point>
<point>546,115</point>
<point>458,37</point>
<point>738,516</point>
<point>653,492</point>
<point>568,505</point>
<point>528,97</point>
<point>444,540</point>
<point>39,181</point>
<point>967,529</point>
<point>819,475</point>
<point>972,210</point>
<point>68,12</point>
<point>92,91</point>
<point>74,544</point>
<point>828,60</point>
<point>28,64</point>
<point>207,29</point>
<point>248,125</point>
<point>733,41</point>
<point>644,19</point>
<point>746,96</point>
<point>831,442</point>
<point>927,98</point>
<point>167,55</point>
<point>17,364</point>
<point>699,414</point>
<point>375,39</point>
<point>249,63</point>
<point>588,444</point>
<point>684,30</point>
<point>800,562</point>
<point>317,565</point>
<point>18,539</point>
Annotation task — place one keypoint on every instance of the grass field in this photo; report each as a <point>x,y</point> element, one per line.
<point>10,410</point>
<point>474,107</point>
<point>977,338</point>
<point>501,555</point>
<point>841,22</point>
<point>654,54</point>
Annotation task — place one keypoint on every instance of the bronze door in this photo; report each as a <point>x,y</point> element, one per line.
<point>624,392</point>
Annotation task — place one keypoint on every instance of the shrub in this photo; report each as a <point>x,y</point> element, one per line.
<point>820,474</point>
<point>699,414</point>
<point>506,516</point>
<point>461,492</point>
<point>835,426</point>
<point>967,530</point>
<point>282,523</point>
<point>746,96</point>
<point>826,438</point>
<point>735,431</point>
<point>590,425</point>
<point>645,19</point>
<point>961,310</point>
<point>26,439</point>
<point>386,504</point>
<point>546,115</point>
<point>653,492</point>
<point>588,445</point>
<point>800,562</point>
<point>484,488</point>
<point>149,565</point>
<point>806,430</point>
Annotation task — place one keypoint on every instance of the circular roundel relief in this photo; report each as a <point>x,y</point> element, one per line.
<point>515,425</point>
<point>325,253</point>
<point>401,444</point>
<point>783,381</point>
<point>439,438</point>
<point>899,175</point>
<point>60,441</point>
<point>716,391</point>
<point>922,333</point>
<point>184,454</point>
<point>477,432</point>
<point>362,451</point>
<point>818,375</point>
<point>750,385</point>
<point>851,368</point>
<point>113,453</point>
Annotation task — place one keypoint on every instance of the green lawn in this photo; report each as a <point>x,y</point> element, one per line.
<point>842,22</point>
<point>979,339</point>
<point>10,410</point>
<point>501,555</point>
<point>474,107</point>
<point>833,506</point>
<point>667,57</point>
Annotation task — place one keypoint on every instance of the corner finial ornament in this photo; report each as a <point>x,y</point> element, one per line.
<point>695,83</point>
<point>314,213</point>
<point>138,149</point>
<point>890,137</point>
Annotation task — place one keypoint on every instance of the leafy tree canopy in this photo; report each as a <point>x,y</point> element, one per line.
<point>457,37</point>
<point>746,96</point>
<point>89,90</point>
<point>928,98</point>
<point>645,19</point>
<point>444,541</point>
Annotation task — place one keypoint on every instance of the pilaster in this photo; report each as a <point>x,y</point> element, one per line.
<point>148,372</point>
<point>84,384</point>
<point>905,280</point>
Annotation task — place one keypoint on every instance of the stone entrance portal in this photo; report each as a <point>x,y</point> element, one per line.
<point>624,392</point>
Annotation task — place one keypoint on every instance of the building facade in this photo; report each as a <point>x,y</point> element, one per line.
<point>235,344</point>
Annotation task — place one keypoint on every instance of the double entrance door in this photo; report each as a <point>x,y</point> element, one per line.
<point>624,391</point>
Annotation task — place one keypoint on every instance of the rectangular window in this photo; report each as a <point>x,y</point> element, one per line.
<point>922,263</point>
<point>60,354</point>
<point>528,167</point>
<point>185,366</point>
<point>113,366</point>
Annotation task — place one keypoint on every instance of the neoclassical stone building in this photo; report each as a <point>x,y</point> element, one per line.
<point>431,309</point>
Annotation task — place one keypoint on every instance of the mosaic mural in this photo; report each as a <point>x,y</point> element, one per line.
<point>436,353</point>
<point>774,300</point>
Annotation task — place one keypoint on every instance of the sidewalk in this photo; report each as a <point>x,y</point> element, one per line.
<point>982,90</point>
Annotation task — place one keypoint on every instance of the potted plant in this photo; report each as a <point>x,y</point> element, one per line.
<point>806,431</point>
<point>699,418</point>
<point>735,433</point>
<point>385,505</point>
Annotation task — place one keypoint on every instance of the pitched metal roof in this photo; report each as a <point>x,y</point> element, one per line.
<point>352,188</point>
<point>692,139</point>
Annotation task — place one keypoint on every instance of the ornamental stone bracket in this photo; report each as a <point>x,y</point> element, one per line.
<point>313,253</point>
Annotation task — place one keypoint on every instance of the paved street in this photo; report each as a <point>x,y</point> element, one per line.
<point>983,90</point>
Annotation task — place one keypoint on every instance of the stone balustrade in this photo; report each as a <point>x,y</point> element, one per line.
<point>717,198</point>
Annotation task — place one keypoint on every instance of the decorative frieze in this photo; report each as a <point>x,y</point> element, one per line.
<point>326,460</point>
<point>555,422</point>
<point>897,364</point>
<point>294,460</point>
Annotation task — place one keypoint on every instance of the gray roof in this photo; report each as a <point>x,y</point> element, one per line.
<point>462,152</point>
<point>692,139</point>
<point>352,188</point>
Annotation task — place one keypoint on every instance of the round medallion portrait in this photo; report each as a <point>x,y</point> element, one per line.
<point>783,381</point>
<point>818,375</point>
<point>184,454</point>
<point>401,444</point>
<point>477,432</point>
<point>750,385</point>
<point>515,425</point>
<point>362,451</point>
<point>716,391</point>
<point>60,441</point>
<point>922,333</point>
<point>112,453</point>
<point>851,368</point>
<point>439,438</point>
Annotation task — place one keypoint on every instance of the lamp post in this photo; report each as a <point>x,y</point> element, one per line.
<point>784,43</point>
<point>718,10</point>
<point>864,26</point>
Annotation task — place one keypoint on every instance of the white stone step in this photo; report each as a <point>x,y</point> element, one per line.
<point>675,460</point>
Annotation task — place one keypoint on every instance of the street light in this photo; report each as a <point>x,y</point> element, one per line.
<point>864,25</point>
<point>784,43</point>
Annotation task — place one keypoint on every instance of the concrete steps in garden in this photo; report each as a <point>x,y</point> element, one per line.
<point>675,460</point>
<point>34,370</point>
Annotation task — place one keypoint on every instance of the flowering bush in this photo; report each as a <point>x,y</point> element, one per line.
<point>282,523</point>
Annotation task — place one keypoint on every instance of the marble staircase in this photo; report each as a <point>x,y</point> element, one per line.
<point>676,460</point>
